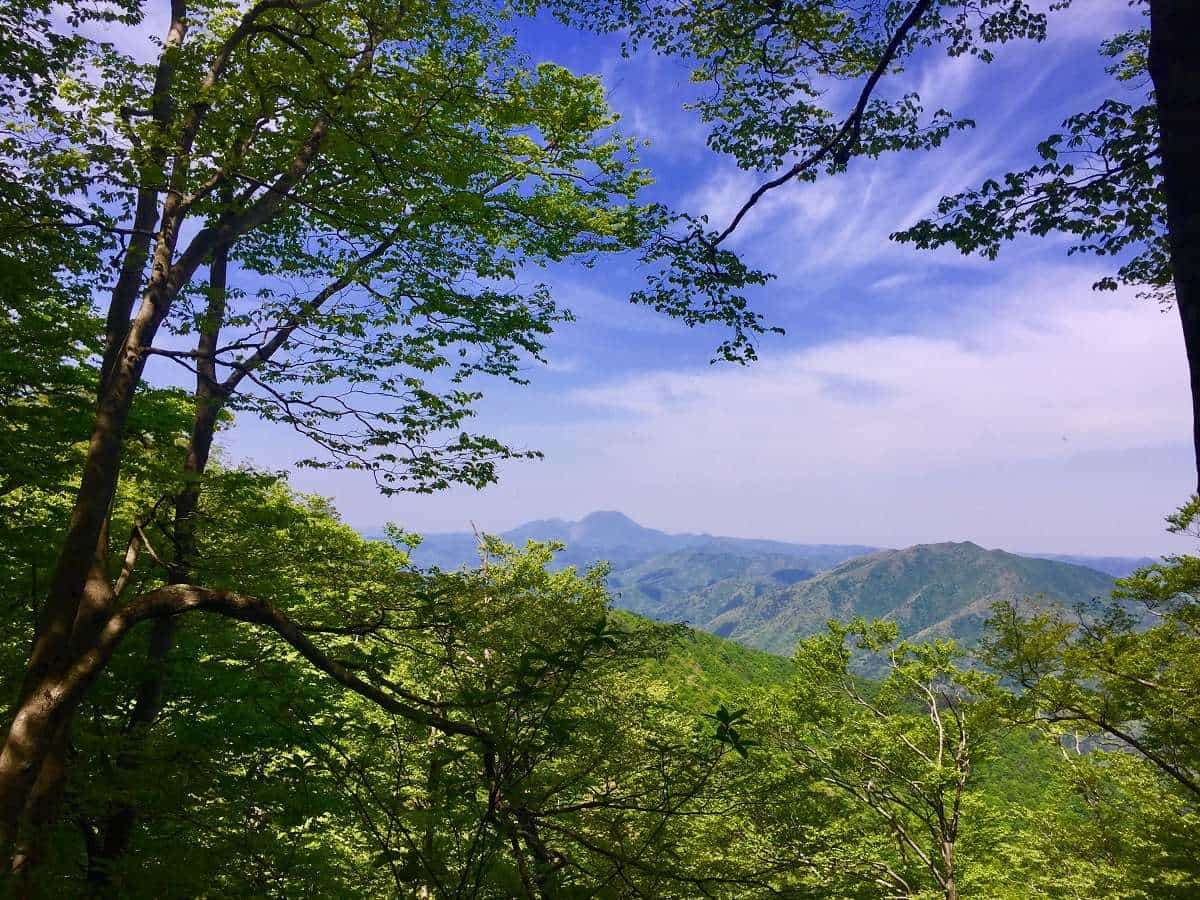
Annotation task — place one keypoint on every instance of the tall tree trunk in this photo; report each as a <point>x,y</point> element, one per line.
<point>77,591</point>
<point>42,805</point>
<point>949,877</point>
<point>78,594</point>
<point>133,266</point>
<point>40,713</point>
<point>1175,70</point>
<point>61,667</point>
<point>34,757</point>
<point>126,341</point>
<point>41,810</point>
<point>209,399</point>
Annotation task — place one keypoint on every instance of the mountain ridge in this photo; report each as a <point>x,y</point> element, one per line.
<point>613,536</point>
<point>612,530</point>
<point>930,590</point>
<point>767,595</point>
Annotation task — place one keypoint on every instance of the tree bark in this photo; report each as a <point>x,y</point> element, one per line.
<point>80,595</point>
<point>76,589</point>
<point>117,830</point>
<point>1175,71</point>
<point>37,721</point>
<point>949,883</point>
<point>49,691</point>
<point>133,266</point>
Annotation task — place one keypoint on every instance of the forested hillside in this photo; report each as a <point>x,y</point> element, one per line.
<point>768,594</point>
<point>249,242</point>
<point>930,591</point>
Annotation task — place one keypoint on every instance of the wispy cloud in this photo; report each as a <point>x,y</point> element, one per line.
<point>1051,374</point>
<point>897,280</point>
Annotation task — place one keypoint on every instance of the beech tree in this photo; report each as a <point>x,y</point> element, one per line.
<point>363,186</point>
<point>259,779</point>
<point>905,751</point>
<point>1115,689</point>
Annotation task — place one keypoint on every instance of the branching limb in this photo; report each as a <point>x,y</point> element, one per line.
<point>845,138</point>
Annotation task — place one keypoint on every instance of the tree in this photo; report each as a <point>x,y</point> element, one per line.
<point>1125,674</point>
<point>1118,180</point>
<point>1176,76</point>
<point>903,754</point>
<point>1116,690</point>
<point>364,185</point>
<point>218,780</point>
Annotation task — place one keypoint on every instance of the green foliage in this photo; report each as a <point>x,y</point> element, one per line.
<point>1099,181</point>
<point>1122,687</point>
<point>1127,676</point>
<point>508,733</point>
<point>933,781</point>
<point>590,754</point>
<point>384,178</point>
<point>765,67</point>
<point>900,752</point>
<point>704,671</point>
<point>684,263</point>
<point>48,380</point>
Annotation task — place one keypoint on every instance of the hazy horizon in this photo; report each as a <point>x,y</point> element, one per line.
<point>573,520</point>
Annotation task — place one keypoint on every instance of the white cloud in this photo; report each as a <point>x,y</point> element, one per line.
<point>1090,21</point>
<point>896,280</point>
<point>564,365</point>
<point>1048,375</point>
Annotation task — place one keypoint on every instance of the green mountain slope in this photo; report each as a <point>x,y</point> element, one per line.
<point>705,670</point>
<point>697,585</point>
<point>930,590</point>
<point>767,594</point>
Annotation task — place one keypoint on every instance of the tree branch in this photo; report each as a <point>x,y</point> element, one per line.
<point>177,599</point>
<point>847,135</point>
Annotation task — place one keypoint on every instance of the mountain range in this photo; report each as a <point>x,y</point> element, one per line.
<point>766,594</point>
<point>615,537</point>
<point>930,590</point>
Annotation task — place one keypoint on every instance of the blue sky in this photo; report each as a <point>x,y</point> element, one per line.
<point>916,396</point>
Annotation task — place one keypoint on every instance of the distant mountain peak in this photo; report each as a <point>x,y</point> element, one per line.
<point>608,516</point>
<point>945,547</point>
<point>614,529</point>
<point>608,525</point>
